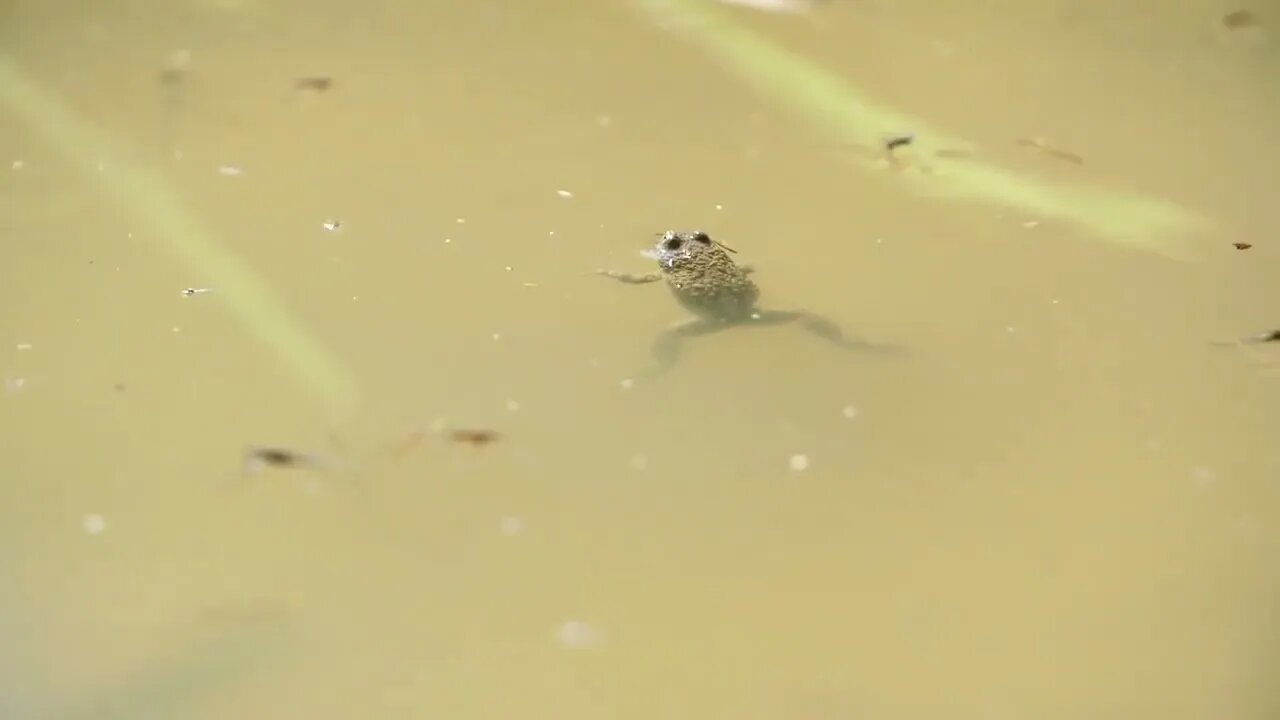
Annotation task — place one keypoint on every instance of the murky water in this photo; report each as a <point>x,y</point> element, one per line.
<point>1059,503</point>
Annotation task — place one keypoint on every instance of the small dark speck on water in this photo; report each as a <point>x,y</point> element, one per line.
<point>172,77</point>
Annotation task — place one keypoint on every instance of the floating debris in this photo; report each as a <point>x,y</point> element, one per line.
<point>408,444</point>
<point>898,141</point>
<point>17,164</point>
<point>564,193</point>
<point>849,411</point>
<point>230,170</point>
<point>798,462</point>
<point>258,459</point>
<point>1039,145</point>
<point>331,225</point>
<point>1241,245</point>
<point>1240,19</point>
<point>316,83</point>
<point>510,525</point>
<point>1266,337</point>
<point>884,154</point>
<point>195,291</point>
<point>475,438</point>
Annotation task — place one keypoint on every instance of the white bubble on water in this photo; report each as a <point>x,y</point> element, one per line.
<point>93,523</point>
<point>578,635</point>
<point>1203,477</point>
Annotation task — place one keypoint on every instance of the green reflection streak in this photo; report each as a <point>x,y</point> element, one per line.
<point>145,194</point>
<point>179,684</point>
<point>830,101</point>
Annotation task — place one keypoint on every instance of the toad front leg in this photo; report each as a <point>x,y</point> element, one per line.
<point>631,278</point>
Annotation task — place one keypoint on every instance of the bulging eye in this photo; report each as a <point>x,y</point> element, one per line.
<point>702,237</point>
<point>673,243</point>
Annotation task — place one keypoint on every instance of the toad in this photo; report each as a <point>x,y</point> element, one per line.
<point>720,293</point>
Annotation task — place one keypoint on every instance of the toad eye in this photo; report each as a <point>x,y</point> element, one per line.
<point>673,243</point>
<point>702,237</point>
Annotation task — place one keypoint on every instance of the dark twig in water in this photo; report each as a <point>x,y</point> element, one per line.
<point>315,83</point>
<point>275,456</point>
<point>898,141</point>
<point>258,458</point>
<point>1241,245</point>
<point>475,438</point>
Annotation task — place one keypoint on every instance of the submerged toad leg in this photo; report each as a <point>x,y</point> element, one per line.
<point>817,325</point>
<point>668,345</point>
<point>631,278</point>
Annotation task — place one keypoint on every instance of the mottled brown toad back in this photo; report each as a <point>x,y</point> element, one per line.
<point>705,280</point>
